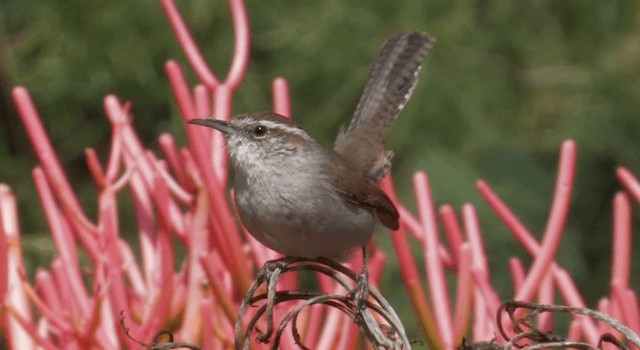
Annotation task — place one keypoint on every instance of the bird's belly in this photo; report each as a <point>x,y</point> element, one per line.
<point>316,227</point>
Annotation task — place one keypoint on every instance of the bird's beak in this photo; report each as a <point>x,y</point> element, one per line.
<point>219,125</point>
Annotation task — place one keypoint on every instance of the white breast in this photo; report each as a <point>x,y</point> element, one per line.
<point>292,213</point>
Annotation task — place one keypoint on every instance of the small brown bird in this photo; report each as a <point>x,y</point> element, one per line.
<point>305,200</point>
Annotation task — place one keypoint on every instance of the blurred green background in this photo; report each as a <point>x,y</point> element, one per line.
<point>505,84</point>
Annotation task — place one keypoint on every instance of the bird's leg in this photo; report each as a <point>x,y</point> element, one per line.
<point>360,292</point>
<point>270,274</point>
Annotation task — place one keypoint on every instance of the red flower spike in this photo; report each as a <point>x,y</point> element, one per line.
<point>464,293</point>
<point>177,167</point>
<point>189,46</point>
<point>621,253</point>
<point>433,265</point>
<point>454,233</point>
<point>555,225</point>
<point>45,152</point>
<point>630,182</point>
<point>281,103</point>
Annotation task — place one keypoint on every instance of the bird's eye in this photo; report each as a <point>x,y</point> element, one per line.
<point>260,131</point>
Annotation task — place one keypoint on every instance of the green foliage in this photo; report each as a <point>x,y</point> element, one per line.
<point>504,85</point>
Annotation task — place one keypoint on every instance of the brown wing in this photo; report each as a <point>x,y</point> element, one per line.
<point>362,191</point>
<point>391,81</point>
<point>384,209</point>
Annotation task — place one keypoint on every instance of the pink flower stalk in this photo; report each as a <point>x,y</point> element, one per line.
<point>183,194</point>
<point>543,279</point>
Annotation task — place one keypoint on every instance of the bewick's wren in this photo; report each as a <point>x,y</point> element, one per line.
<point>305,200</point>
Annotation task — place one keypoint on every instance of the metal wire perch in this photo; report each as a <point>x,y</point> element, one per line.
<point>389,334</point>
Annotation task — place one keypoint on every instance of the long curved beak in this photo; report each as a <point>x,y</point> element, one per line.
<point>219,125</point>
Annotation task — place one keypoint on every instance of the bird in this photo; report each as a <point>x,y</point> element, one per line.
<point>306,200</point>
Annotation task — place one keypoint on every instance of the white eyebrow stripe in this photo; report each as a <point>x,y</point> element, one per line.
<point>286,128</point>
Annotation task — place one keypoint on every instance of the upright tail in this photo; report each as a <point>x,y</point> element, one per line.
<point>391,81</point>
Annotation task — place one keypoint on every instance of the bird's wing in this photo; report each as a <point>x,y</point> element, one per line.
<point>363,192</point>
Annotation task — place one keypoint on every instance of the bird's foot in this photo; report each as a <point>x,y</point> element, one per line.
<point>271,266</point>
<point>360,293</point>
